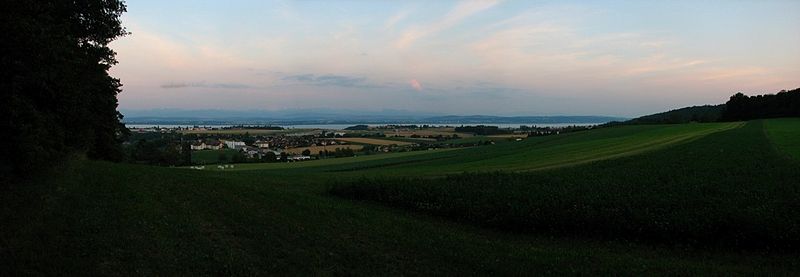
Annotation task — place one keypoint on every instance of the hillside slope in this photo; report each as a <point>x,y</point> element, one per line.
<point>98,218</point>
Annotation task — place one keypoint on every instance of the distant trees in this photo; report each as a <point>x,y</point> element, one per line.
<point>743,107</point>
<point>739,107</point>
<point>159,152</point>
<point>357,128</point>
<point>270,157</point>
<point>482,130</point>
<point>58,97</point>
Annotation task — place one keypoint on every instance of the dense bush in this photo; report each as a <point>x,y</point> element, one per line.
<point>729,189</point>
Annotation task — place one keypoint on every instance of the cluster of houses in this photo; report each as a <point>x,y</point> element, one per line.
<point>212,144</point>
<point>258,150</point>
<point>208,145</point>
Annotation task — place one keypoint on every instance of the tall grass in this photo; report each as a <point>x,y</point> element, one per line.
<point>729,189</point>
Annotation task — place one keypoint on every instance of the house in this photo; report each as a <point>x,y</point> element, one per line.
<point>214,145</point>
<point>232,144</point>
<point>261,144</point>
<point>251,152</point>
<point>198,145</point>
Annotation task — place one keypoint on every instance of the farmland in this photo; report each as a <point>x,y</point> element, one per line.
<point>248,131</point>
<point>373,141</point>
<point>316,149</point>
<point>658,196</point>
<point>785,134</point>
<point>280,218</point>
<point>428,132</point>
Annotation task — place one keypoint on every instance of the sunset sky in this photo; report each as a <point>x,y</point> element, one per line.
<point>618,58</point>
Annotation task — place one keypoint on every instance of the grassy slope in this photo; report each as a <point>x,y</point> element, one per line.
<point>529,154</point>
<point>727,189</point>
<point>332,161</point>
<point>101,218</point>
<point>785,133</point>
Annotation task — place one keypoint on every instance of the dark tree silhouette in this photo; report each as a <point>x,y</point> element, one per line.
<point>743,107</point>
<point>58,97</point>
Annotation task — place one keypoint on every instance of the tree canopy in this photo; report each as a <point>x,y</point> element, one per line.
<point>58,95</point>
<point>743,107</point>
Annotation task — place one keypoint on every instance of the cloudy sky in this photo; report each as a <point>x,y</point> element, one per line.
<point>620,58</point>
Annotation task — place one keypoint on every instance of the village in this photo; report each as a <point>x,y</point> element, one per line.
<point>196,145</point>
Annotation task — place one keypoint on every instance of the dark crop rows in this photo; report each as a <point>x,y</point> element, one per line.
<point>729,189</point>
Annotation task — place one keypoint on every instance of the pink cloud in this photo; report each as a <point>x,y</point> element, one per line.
<point>415,84</point>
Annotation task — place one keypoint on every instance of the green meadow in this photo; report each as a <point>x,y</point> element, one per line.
<point>686,199</point>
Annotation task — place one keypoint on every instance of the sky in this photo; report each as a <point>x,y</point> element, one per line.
<point>616,58</point>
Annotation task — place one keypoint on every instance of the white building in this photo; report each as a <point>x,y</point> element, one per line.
<point>261,144</point>
<point>232,144</point>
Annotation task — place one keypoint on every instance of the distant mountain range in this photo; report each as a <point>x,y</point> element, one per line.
<point>325,116</point>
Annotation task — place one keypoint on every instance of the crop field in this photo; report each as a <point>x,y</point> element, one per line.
<point>785,134</point>
<point>535,153</point>
<point>100,218</point>
<point>426,132</point>
<point>249,131</point>
<point>315,149</point>
<point>552,151</point>
<point>509,136</point>
<point>412,140</point>
<point>373,141</point>
<point>332,163</point>
<point>713,191</point>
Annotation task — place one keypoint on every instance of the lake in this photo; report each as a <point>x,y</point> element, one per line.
<point>342,126</point>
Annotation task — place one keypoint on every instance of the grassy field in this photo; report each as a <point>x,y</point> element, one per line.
<point>373,141</point>
<point>530,154</point>
<point>332,163</point>
<point>785,134</point>
<point>249,131</point>
<point>315,149</point>
<point>426,132</point>
<point>98,218</point>
<point>211,156</point>
<point>729,189</point>
<point>542,152</point>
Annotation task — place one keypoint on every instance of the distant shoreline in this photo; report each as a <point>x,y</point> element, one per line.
<point>342,126</point>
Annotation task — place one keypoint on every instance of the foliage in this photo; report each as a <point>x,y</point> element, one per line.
<point>357,128</point>
<point>162,152</point>
<point>707,113</point>
<point>729,189</point>
<point>165,149</point>
<point>57,95</point>
<point>743,107</point>
<point>482,130</point>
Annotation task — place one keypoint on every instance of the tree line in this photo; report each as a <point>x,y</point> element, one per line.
<point>738,108</point>
<point>743,107</point>
<point>58,98</point>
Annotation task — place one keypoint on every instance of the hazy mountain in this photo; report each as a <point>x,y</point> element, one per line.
<point>329,116</point>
